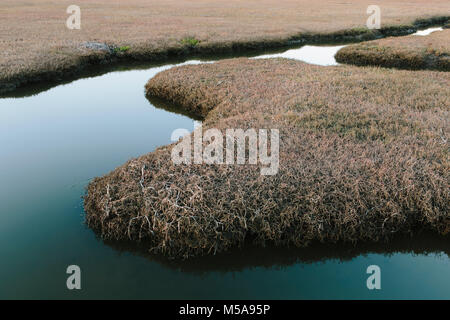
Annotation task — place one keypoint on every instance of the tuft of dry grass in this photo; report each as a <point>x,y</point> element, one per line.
<point>411,52</point>
<point>363,157</point>
<point>36,45</point>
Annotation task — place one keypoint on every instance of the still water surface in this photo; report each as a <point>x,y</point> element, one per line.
<point>53,142</point>
<point>427,32</point>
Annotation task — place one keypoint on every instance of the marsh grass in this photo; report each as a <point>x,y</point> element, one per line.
<point>36,45</point>
<point>122,49</point>
<point>363,157</point>
<point>411,52</point>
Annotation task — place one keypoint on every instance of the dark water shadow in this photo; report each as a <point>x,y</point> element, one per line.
<point>33,89</point>
<point>251,256</point>
<point>171,107</point>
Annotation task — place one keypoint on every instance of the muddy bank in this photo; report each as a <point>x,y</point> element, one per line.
<point>363,157</point>
<point>63,63</point>
<point>412,52</point>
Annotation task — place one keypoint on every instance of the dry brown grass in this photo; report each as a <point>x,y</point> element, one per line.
<point>411,52</point>
<point>36,45</point>
<point>363,157</point>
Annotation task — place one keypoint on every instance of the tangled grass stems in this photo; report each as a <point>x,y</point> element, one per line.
<point>363,157</point>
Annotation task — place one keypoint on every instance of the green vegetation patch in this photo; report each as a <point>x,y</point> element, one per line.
<point>190,41</point>
<point>122,49</point>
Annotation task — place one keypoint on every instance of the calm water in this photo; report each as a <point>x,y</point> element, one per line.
<point>54,142</point>
<point>427,32</point>
<point>321,55</point>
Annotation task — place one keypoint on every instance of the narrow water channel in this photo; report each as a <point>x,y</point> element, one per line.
<point>427,32</point>
<point>54,141</point>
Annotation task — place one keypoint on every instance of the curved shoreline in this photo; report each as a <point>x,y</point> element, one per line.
<point>361,160</point>
<point>110,56</point>
<point>411,53</point>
